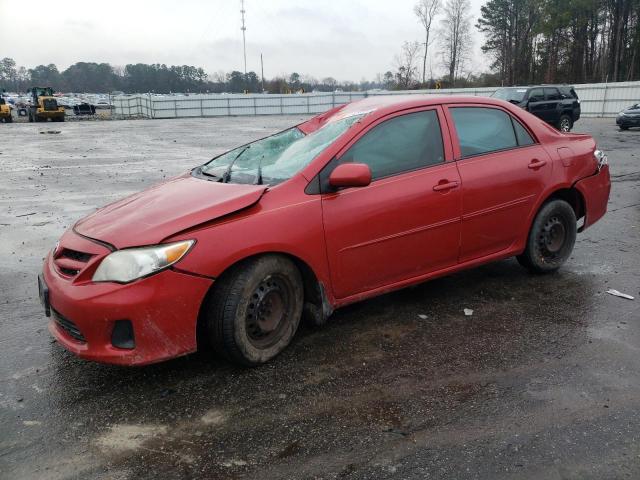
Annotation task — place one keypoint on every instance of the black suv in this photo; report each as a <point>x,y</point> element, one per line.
<point>555,104</point>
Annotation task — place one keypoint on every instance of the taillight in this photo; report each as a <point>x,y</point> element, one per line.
<point>601,159</point>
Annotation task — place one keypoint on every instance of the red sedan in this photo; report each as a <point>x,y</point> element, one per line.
<point>364,199</point>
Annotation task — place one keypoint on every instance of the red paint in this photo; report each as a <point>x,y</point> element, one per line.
<point>359,241</point>
<point>350,175</point>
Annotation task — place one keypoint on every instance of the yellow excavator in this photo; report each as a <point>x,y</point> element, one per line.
<point>44,106</point>
<point>5,111</point>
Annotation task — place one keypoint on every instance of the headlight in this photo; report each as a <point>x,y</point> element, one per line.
<point>601,158</point>
<point>127,265</point>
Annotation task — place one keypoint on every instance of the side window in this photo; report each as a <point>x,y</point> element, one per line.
<point>552,94</point>
<point>521,134</point>
<point>536,95</point>
<point>482,130</point>
<point>403,143</point>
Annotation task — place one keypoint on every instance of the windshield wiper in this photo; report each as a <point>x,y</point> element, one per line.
<point>259,175</point>
<point>226,176</point>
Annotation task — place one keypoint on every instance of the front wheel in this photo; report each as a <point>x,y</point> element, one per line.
<point>565,123</point>
<point>551,238</point>
<point>623,128</point>
<point>254,309</point>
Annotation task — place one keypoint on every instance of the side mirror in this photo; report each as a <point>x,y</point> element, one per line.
<point>350,175</point>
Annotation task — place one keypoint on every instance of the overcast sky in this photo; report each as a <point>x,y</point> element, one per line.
<point>348,39</point>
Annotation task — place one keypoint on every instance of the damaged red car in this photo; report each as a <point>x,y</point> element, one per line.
<point>367,198</point>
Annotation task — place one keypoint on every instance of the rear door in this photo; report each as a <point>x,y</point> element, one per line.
<point>554,104</point>
<point>407,221</point>
<point>537,104</point>
<point>503,170</point>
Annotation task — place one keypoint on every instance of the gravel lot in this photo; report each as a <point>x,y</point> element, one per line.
<point>542,382</point>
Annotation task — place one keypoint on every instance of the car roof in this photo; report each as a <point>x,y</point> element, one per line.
<point>385,103</point>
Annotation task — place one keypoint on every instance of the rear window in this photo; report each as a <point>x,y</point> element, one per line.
<point>568,92</point>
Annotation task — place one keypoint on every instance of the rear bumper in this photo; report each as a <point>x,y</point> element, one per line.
<point>595,191</point>
<point>163,310</point>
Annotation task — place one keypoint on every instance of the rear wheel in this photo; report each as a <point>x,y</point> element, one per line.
<point>255,309</point>
<point>551,239</point>
<point>565,124</point>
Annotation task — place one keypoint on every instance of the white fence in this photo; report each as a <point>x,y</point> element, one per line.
<point>597,100</point>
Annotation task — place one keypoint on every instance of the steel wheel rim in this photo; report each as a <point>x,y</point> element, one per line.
<point>565,125</point>
<point>552,238</point>
<point>268,311</point>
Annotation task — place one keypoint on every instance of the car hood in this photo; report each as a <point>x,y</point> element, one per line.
<point>148,217</point>
<point>634,112</point>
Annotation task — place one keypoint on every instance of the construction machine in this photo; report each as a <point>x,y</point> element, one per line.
<point>44,106</point>
<point>5,111</point>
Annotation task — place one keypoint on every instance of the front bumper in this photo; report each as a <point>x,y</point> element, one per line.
<point>595,190</point>
<point>163,310</point>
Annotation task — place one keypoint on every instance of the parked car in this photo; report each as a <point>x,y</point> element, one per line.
<point>367,198</point>
<point>629,117</point>
<point>557,105</point>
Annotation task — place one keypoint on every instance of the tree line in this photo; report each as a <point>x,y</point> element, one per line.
<point>573,41</point>
<point>528,41</point>
<point>84,77</point>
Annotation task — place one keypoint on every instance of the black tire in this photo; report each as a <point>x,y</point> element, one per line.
<point>254,310</point>
<point>565,124</point>
<point>623,128</point>
<point>9,119</point>
<point>551,238</point>
<point>30,117</point>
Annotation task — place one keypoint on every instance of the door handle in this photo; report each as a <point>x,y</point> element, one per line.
<point>444,185</point>
<point>535,164</point>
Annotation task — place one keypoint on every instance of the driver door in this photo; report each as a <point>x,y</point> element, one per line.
<point>407,221</point>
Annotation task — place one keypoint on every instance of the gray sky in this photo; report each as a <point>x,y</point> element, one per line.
<point>349,39</point>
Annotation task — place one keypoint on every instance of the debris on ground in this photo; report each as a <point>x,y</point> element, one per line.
<point>422,316</point>
<point>468,312</point>
<point>616,293</point>
<point>51,132</point>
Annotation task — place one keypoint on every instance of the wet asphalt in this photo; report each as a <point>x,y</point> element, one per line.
<point>541,382</point>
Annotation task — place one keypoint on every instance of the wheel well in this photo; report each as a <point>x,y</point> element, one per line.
<point>573,197</point>
<point>316,305</point>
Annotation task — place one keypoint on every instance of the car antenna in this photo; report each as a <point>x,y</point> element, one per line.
<point>226,176</point>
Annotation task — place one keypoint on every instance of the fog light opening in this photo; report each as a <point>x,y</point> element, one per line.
<point>122,335</point>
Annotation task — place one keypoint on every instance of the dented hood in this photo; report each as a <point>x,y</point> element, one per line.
<point>148,217</point>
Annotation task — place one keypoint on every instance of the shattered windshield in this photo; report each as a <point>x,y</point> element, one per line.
<point>510,94</point>
<point>276,158</point>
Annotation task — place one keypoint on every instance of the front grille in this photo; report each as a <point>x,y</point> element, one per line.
<point>50,104</point>
<point>68,326</point>
<point>75,255</point>
<point>69,262</point>
<point>69,272</point>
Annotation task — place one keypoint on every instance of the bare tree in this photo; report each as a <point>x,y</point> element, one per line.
<point>455,36</point>
<point>426,11</point>
<point>406,64</point>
